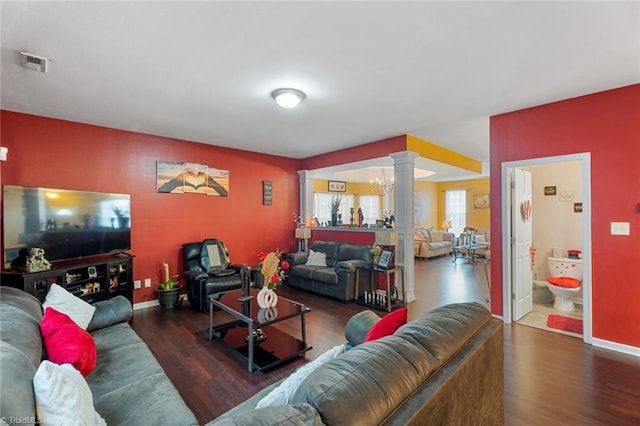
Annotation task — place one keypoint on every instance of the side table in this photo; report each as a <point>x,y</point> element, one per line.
<point>391,288</point>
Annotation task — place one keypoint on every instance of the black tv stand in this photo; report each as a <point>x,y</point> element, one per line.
<point>92,280</point>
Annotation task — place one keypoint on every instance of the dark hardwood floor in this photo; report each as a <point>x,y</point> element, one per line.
<point>550,378</point>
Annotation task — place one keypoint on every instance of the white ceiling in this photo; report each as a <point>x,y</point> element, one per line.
<point>204,71</point>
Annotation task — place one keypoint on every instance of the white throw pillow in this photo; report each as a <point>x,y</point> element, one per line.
<point>316,258</point>
<point>62,301</point>
<point>481,238</point>
<point>282,394</point>
<point>63,396</point>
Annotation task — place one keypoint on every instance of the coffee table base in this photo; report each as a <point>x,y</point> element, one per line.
<point>249,330</point>
<point>277,348</point>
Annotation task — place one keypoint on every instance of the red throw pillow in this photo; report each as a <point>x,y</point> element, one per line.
<point>387,325</point>
<point>67,343</point>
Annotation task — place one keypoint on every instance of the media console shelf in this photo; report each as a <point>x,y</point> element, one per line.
<point>92,280</point>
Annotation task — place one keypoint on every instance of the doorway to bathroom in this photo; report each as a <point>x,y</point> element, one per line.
<point>542,214</point>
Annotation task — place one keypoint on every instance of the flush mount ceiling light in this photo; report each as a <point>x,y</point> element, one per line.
<point>287,98</point>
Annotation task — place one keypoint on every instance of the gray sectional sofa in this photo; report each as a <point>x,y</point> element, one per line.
<point>444,368</point>
<point>337,278</point>
<point>128,385</point>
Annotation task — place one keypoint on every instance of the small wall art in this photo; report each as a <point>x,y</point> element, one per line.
<point>337,186</point>
<point>577,207</point>
<point>267,195</point>
<point>480,201</point>
<point>180,178</point>
<point>549,190</point>
<point>566,196</point>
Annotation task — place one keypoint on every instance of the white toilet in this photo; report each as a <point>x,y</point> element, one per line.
<point>541,292</point>
<point>564,281</point>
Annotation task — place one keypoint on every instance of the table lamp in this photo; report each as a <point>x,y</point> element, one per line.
<point>446,224</point>
<point>303,234</point>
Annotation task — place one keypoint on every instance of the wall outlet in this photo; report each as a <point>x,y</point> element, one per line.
<point>137,284</point>
<point>619,228</point>
<point>147,282</point>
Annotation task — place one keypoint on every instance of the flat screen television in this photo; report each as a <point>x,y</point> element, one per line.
<point>65,223</point>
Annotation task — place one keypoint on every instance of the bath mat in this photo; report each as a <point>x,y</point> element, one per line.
<point>564,323</point>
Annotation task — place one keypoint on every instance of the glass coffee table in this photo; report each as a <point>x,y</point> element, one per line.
<point>468,251</point>
<point>248,329</point>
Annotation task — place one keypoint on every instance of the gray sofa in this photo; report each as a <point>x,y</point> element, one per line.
<point>444,368</point>
<point>337,279</point>
<point>128,385</point>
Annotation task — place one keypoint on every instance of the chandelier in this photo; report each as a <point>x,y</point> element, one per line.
<point>381,184</point>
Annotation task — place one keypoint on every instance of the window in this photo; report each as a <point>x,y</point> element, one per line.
<point>456,210</point>
<point>348,201</point>
<point>322,206</point>
<point>370,205</point>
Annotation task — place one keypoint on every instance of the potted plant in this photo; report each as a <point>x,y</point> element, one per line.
<point>169,293</point>
<point>169,290</point>
<point>335,206</point>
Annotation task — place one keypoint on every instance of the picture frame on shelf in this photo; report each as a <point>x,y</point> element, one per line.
<point>385,259</point>
<point>92,272</point>
<point>337,186</point>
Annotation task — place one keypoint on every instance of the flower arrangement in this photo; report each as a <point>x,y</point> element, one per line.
<point>299,220</point>
<point>389,219</point>
<point>376,251</point>
<point>273,268</point>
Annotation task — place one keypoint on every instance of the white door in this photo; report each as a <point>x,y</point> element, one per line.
<point>521,215</point>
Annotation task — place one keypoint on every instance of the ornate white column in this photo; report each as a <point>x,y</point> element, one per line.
<point>404,165</point>
<point>306,194</point>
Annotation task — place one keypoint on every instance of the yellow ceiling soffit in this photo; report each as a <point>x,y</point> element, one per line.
<point>442,155</point>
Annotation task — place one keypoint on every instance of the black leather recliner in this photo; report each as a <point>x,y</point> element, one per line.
<point>208,270</point>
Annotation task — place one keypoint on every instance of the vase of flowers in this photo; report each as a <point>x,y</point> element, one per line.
<point>375,253</point>
<point>274,270</point>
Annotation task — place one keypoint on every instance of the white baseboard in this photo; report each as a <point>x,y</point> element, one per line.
<point>618,347</point>
<point>145,305</point>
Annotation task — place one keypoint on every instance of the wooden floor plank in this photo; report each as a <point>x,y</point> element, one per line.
<point>550,378</point>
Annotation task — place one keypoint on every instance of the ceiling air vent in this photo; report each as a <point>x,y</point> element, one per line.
<point>34,62</point>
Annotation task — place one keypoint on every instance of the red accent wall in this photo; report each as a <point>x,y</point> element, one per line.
<point>367,151</point>
<point>356,237</point>
<point>62,154</point>
<point>606,124</point>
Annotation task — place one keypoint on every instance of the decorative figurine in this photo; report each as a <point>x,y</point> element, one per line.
<point>36,261</point>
